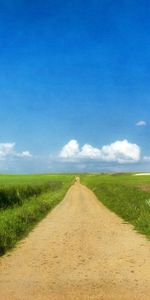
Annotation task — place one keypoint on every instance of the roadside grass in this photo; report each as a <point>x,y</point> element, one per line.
<point>17,220</point>
<point>15,189</point>
<point>123,194</point>
<point>17,194</point>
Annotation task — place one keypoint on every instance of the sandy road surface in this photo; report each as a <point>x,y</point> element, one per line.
<point>80,251</point>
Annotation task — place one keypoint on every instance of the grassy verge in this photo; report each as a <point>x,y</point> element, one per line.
<point>124,198</point>
<point>17,221</point>
<point>15,195</point>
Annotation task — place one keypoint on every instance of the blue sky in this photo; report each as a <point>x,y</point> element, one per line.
<point>74,71</point>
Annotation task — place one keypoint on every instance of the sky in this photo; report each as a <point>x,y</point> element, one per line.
<point>74,86</point>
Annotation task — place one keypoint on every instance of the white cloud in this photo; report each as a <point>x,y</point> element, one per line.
<point>70,150</point>
<point>24,154</point>
<point>141,123</point>
<point>89,152</point>
<point>7,150</point>
<point>119,151</point>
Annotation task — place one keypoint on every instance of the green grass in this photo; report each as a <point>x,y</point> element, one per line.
<point>15,195</point>
<point>11,180</point>
<point>15,189</point>
<point>124,194</point>
<point>21,216</point>
<point>26,199</point>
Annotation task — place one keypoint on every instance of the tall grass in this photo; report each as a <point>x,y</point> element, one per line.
<point>15,195</point>
<point>25,205</point>
<point>124,197</point>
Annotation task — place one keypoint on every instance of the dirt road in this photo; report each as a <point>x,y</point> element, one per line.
<point>80,251</point>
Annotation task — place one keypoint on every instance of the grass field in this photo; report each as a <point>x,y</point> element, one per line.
<point>9,180</point>
<point>14,189</point>
<point>125,194</point>
<point>25,200</point>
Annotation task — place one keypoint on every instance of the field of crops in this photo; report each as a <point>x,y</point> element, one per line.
<point>125,194</point>
<point>25,200</point>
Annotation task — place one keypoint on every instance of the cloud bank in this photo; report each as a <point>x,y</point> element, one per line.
<point>7,150</point>
<point>119,151</point>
